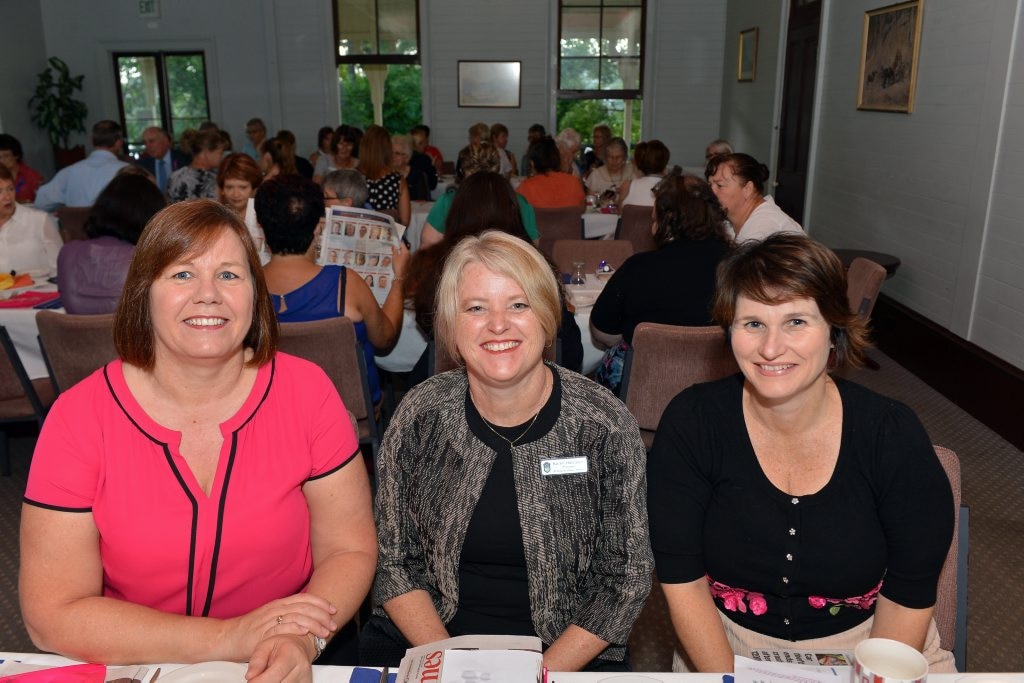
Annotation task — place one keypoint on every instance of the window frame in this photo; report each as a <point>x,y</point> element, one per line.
<point>166,115</point>
<point>375,58</point>
<point>618,94</point>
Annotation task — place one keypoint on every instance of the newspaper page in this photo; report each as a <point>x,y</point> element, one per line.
<point>474,659</point>
<point>751,671</point>
<point>361,239</point>
<point>804,657</point>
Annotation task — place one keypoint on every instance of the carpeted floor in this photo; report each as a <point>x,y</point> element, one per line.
<point>993,486</point>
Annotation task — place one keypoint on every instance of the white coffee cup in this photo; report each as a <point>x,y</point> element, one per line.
<point>880,660</point>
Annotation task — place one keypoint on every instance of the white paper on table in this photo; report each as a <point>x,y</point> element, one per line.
<point>491,666</point>
<point>751,671</point>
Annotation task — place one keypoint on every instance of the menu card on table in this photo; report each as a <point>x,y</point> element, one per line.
<point>468,659</point>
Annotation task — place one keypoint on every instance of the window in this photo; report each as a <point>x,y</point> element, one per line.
<point>379,63</point>
<point>600,49</point>
<point>165,89</point>
<point>600,65</point>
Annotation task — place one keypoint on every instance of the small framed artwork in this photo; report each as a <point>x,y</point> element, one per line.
<point>888,57</point>
<point>489,84</point>
<point>746,58</point>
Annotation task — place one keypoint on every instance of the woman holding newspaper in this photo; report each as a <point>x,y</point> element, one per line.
<point>511,493</point>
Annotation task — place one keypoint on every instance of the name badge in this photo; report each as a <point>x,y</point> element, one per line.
<point>555,466</point>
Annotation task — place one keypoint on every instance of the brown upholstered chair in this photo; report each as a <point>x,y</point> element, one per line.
<point>591,253</point>
<point>71,222</point>
<point>863,283</point>
<point>331,343</point>
<point>951,597</point>
<point>21,399</point>
<point>565,223</point>
<point>664,360</point>
<point>74,346</point>
<point>635,226</point>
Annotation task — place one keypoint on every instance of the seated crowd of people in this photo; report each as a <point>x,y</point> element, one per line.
<point>203,497</point>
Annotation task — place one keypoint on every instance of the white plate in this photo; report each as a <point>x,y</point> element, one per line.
<point>207,672</point>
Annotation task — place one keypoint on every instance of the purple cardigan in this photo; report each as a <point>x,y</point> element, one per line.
<point>91,274</point>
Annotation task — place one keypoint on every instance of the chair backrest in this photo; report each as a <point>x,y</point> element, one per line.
<point>332,344</point>
<point>863,283</point>
<point>74,346</point>
<point>71,220</point>
<point>635,226</point>
<point>951,595</point>
<point>664,360</point>
<point>591,253</point>
<point>565,223</point>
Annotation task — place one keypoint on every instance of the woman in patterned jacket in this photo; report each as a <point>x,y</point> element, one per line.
<point>511,492</point>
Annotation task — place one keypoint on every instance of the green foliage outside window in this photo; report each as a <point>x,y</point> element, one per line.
<point>403,100</point>
<point>583,115</point>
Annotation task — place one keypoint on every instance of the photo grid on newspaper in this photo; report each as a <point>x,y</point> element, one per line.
<point>361,240</point>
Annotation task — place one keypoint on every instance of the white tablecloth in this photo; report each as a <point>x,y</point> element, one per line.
<point>21,325</point>
<point>597,225</point>
<point>417,220</point>
<point>342,674</point>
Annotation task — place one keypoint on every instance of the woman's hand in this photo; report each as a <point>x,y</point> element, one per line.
<point>400,259</point>
<point>295,615</point>
<point>282,658</point>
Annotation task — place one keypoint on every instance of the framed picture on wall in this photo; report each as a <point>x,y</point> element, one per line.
<point>746,57</point>
<point>489,84</point>
<point>888,57</point>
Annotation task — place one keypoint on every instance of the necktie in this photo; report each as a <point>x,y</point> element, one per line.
<point>161,174</point>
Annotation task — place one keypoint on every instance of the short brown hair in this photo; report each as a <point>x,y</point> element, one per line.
<point>507,255</point>
<point>179,231</point>
<point>787,266</point>
<point>239,166</point>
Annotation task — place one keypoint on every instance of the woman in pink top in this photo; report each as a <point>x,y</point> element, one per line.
<point>200,498</point>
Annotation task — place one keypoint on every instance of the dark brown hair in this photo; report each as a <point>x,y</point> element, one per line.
<point>686,208</point>
<point>788,266</point>
<point>745,167</point>
<point>178,232</point>
<point>651,157</point>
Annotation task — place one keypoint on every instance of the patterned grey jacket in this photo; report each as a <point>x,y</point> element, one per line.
<point>585,535</point>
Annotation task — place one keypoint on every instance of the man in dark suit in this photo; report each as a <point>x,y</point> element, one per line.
<point>160,159</point>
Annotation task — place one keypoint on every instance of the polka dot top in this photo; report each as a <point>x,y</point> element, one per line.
<point>384,192</point>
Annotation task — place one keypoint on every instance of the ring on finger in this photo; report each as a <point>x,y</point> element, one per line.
<point>280,619</point>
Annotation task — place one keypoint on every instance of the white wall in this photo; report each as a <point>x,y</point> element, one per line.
<point>24,58</point>
<point>922,186</point>
<point>684,76</point>
<point>263,57</point>
<point>748,108</point>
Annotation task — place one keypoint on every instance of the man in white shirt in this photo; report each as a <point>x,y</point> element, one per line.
<point>79,184</point>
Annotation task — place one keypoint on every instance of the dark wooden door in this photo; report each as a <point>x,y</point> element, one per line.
<point>797,106</point>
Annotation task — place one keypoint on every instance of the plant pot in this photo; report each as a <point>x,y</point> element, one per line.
<point>65,157</point>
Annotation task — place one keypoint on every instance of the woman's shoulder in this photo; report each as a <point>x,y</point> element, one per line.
<point>709,399</point>
<point>439,395</point>
<point>591,400</point>
<point>872,412</point>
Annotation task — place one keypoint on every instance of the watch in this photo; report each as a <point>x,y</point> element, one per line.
<point>319,643</point>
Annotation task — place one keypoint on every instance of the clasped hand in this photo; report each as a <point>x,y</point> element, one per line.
<point>275,637</point>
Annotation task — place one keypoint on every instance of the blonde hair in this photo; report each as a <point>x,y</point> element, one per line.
<point>506,255</point>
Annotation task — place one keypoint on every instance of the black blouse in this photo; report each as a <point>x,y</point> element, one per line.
<point>886,514</point>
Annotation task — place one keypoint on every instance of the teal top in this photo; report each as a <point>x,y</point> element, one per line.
<point>439,214</point>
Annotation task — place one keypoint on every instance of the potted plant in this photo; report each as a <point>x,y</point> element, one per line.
<point>55,110</point>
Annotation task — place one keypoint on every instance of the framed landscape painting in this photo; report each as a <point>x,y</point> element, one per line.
<point>489,84</point>
<point>888,61</point>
